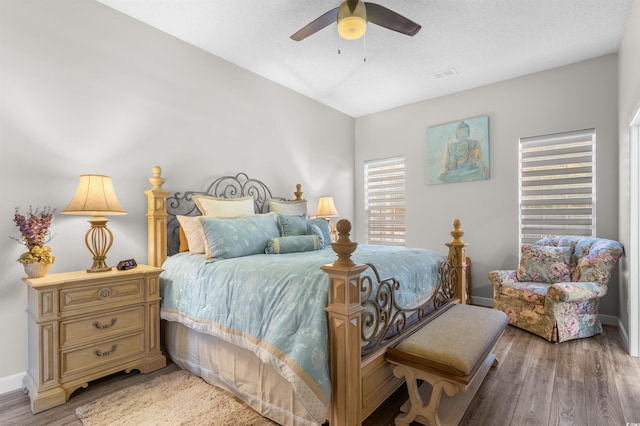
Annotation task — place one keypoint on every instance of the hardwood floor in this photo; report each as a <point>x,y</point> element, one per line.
<point>582,382</point>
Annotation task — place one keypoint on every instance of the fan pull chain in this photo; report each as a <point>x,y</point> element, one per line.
<point>364,49</point>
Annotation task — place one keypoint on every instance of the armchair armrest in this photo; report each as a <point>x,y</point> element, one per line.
<point>576,291</point>
<point>502,277</point>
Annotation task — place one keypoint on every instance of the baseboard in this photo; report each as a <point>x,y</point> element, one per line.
<point>624,334</point>
<point>609,320</point>
<point>11,383</point>
<point>604,319</point>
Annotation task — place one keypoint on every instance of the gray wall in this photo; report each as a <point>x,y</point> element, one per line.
<point>629,84</point>
<point>86,89</point>
<point>579,96</point>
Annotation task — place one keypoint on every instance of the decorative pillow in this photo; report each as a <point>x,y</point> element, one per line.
<point>182,238</point>
<point>544,264</point>
<point>324,227</point>
<point>314,229</point>
<point>288,207</point>
<point>293,244</point>
<point>237,237</point>
<point>224,207</point>
<point>292,225</point>
<point>566,241</point>
<point>193,233</point>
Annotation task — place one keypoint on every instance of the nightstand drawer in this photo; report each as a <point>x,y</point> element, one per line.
<point>123,291</point>
<point>86,329</point>
<point>101,353</point>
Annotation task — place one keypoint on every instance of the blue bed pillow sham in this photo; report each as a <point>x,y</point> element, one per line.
<point>323,225</point>
<point>314,229</point>
<point>293,244</point>
<point>292,225</point>
<point>237,237</point>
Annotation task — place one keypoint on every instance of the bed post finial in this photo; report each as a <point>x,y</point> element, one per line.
<point>344,246</point>
<point>298,193</point>
<point>457,233</point>
<point>156,180</point>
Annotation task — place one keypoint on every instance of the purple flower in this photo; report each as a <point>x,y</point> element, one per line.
<point>34,226</point>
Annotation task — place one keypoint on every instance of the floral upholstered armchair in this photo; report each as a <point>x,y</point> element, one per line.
<point>557,289</point>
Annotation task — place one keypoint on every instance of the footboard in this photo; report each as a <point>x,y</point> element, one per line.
<point>361,378</point>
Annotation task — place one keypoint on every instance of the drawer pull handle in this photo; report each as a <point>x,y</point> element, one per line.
<point>98,353</point>
<point>99,326</point>
<point>104,293</point>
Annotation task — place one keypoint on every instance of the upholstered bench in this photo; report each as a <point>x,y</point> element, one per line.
<point>452,354</point>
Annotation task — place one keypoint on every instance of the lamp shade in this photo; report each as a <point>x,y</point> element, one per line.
<point>352,26</point>
<point>95,196</point>
<point>326,208</point>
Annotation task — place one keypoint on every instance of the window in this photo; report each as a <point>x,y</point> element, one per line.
<point>384,201</point>
<point>557,185</point>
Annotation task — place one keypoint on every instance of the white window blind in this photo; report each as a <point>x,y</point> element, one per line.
<point>384,201</point>
<point>557,185</point>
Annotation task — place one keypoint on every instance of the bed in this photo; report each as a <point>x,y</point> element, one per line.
<point>298,334</point>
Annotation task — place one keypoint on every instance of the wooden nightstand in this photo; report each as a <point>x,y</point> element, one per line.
<point>83,326</point>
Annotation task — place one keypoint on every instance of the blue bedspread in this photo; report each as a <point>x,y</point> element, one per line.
<point>274,305</point>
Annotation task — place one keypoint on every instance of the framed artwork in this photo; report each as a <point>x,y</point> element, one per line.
<point>458,151</point>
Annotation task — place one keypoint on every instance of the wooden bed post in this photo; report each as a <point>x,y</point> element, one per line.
<point>157,219</point>
<point>457,260</point>
<point>344,310</point>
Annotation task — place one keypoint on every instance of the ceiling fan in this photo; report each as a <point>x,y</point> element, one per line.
<point>352,16</point>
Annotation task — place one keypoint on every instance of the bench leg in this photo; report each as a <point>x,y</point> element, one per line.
<point>453,409</point>
<point>421,411</point>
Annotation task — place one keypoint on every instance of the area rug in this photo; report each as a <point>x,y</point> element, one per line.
<point>178,398</point>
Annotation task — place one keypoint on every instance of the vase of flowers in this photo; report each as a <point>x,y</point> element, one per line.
<point>34,234</point>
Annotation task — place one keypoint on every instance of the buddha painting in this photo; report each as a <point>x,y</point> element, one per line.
<point>455,153</point>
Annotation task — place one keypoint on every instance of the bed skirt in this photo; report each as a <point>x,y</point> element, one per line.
<point>237,370</point>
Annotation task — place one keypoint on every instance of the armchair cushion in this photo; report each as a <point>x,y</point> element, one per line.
<point>544,264</point>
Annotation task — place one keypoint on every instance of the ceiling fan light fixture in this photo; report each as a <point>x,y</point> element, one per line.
<point>352,26</point>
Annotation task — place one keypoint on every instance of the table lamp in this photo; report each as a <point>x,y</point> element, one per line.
<point>96,197</point>
<point>326,209</point>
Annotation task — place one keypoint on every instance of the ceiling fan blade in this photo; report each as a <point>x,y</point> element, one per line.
<point>389,19</point>
<point>316,25</point>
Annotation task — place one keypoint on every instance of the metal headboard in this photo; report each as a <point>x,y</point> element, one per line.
<point>182,203</point>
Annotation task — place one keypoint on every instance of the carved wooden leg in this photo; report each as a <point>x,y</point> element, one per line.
<point>437,411</point>
<point>420,410</point>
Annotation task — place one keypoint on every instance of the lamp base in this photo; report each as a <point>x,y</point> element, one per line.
<point>99,269</point>
<point>101,239</point>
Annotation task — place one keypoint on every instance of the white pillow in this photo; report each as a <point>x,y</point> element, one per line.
<point>288,208</point>
<point>224,207</point>
<point>193,230</point>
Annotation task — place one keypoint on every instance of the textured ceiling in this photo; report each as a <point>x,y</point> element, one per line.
<point>484,41</point>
